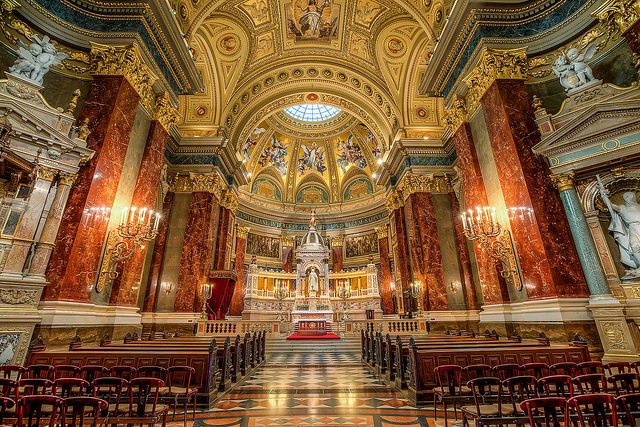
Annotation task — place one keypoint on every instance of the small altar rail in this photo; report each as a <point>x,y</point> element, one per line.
<point>213,328</point>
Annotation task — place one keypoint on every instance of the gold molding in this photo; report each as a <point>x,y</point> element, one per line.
<point>336,240</point>
<point>563,181</point>
<point>494,64</point>
<point>46,173</point>
<point>229,201</point>
<point>413,183</point>
<point>210,182</point>
<point>618,15</point>
<point>165,113</point>
<point>67,178</point>
<point>456,114</point>
<point>382,232</point>
<point>242,232</point>
<point>395,201</point>
<point>288,241</point>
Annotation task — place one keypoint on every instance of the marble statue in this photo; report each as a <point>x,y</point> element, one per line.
<point>313,281</point>
<point>572,68</point>
<point>625,226</point>
<point>35,60</point>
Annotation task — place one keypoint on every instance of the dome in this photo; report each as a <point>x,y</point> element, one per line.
<point>312,240</point>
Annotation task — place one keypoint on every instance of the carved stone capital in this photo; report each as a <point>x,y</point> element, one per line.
<point>336,240</point>
<point>209,182</point>
<point>18,296</point>
<point>46,173</point>
<point>456,114</point>
<point>67,178</point>
<point>494,64</point>
<point>564,181</point>
<point>288,241</point>
<point>618,15</point>
<point>242,232</point>
<point>229,201</point>
<point>125,61</point>
<point>165,112</point>
<point>382,232</point>
<point>395,201</point>
<point>413,183</point>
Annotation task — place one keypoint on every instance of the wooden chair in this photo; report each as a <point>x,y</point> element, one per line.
<point>40,371</point>
<point>145,401</point>
<point>506,370</point>
<point>487,398</point>
<point>71,387</point>
<point>624,383</point>
<point>520,388</point>
<point>117,394</point>
<point>471,372</point>
<point>536,369</point>
<point>590,367</point>
<point>590,383</point>
<point>592,409</point>
<point>9,388</point>
<point>66,371</point>
<point>121,371</point>
<point>77,411</point>
<point>13,371</point>
<point>449,389</point>
<point>564,368</point>
<point>556,386</point>
<point>180,388</point>
<point>635,367</point>
<point>616,368</point>
<point>626,409</point>
<point>40,410</point>
<point>34,386</point>
<point>6,405</point>
<point>91,372</point>
<point>547,411</point>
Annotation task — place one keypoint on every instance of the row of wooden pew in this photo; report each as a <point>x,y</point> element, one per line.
<point>408,361</point>
<point>217,364</point>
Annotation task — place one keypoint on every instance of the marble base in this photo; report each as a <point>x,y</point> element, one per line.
<point>618,340</point>
<point>171,322</point>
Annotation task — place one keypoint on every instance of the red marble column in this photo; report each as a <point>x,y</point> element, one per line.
<point>494,290</point>
<point>385,271</point>
<point>124,291</point>
<point>225,233</point>
<point>287,259</point>
<point>548,258</point>
<point>155,272</point>
<point>197,251</point>
<point>430,261</point>
<point>235,309</point>
<point>470,296</point>
<point>336,252</point>
<point>111,107</point>
<point>633,37</point>
<point>400,251</point>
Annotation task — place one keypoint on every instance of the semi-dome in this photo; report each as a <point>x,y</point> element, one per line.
<point>312,240</point>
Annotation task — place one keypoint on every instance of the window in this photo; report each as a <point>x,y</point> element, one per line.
<point>312,112</point>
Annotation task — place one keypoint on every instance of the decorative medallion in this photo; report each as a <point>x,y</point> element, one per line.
<point>422,112</point>
<point>312,97</point>
<point>395,46</point>
<point>228,45</point>
<point>183,11</point>
<point>201,110</point>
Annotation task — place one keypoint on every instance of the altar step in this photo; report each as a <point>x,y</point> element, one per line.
<point>344,345</point>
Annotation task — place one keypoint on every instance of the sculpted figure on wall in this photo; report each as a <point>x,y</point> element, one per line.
<point>34,61</point>
<point>625,226</point>
<point>572,68</point>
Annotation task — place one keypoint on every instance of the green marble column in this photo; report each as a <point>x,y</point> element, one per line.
<point>587,252</point>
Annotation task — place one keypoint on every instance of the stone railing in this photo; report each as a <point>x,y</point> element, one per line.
<point>393,327</point>
<point>235,327</point>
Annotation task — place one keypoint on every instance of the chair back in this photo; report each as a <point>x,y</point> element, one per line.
<point>536,369</point>
<point>506,370</point>
<point>520,388</point>
<point>35,386</point>
<point>627,407</point>
<point>71,387</point>
<point>78,411</point>
<point>14,372</point>
<point>9,388</point>
<point>592,409</point>
<point>40,371</point>
<point>590,383</point>
<point>66,371</point>
<point>590,367</point>
<point>122,371</point>
<point>91,372</point>
<point>617,368</point>
<point>112,390</point>
<point>564,368</point>
<point>31,413</point>
<point>635,367</point>
<point>471,372</point>
<point>547,411</point>
<point>180,376</point>
<point>486,390</point>
<point>5,403</point>
<point>145,401</point>
<point>624,383</point>
<point>556,386</point>
<point>153,372</point>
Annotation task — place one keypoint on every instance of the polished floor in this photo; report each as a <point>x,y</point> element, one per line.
<point>314,390</point>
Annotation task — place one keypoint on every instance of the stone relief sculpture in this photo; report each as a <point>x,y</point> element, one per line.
<point>34,61</point>
<point>625,226</point>
<point>572,68</point>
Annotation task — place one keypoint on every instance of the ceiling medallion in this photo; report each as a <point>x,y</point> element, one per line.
<point>201,110</point>
<point>312,97</point>
<point>395,46</point>
<point>422,112</point>
<point>228,45</point>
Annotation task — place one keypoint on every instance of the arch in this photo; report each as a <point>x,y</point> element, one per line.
<point>268,185</point>
<point>312,190</point>
<point>355,177</point>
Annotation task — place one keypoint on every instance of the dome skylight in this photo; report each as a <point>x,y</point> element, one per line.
<point>312,112</point>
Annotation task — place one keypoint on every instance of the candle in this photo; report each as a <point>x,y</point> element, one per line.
<point>133,213</point>
<point>150,218</point>
<point>123,217</point>
<point>155,225</point>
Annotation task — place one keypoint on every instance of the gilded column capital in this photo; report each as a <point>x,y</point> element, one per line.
<point>494,64</point>
<point>209,182</point>
<point>618,15</point>
<point>563,181</point>
<point>46,173</point>
<point>413,183</point>
<point>395,201</point>
<point>336,240</point>
<point>456,114</point>
<point>288,241</point>
<point>229,201</point>
<point>382,232</point>
<point>67,178</point>
<point>242,232</point>
<point>125,61</point>
<point>165,112</point>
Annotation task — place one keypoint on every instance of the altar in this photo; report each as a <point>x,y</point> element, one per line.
<point>312,328</point>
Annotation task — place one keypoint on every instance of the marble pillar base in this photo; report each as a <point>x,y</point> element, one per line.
<point>437,321</point>
<point>618,340</point>
<point>170,322</point>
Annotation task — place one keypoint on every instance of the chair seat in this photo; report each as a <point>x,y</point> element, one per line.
<point>159,409</point>
<point>445,390</point>
<point>487,410</point>
<point>163,391</point>
<point>123,408</point>
<point>182,390</point>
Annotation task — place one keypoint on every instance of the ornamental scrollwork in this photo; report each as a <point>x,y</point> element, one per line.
<point>18,296</point>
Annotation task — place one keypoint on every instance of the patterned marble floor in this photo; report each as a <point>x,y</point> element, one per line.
<point>314,390</point>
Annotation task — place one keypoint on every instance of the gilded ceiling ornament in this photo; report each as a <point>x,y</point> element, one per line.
<point>382,232</point>
<point>618,15</point>
<point>242,232</point>
<point>455,115</point>
<point>336,241</point>
<point>165,112</point>
<point>494,64</point>
<point>288,241</point>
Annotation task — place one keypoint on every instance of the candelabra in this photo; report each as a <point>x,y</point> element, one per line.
<point>483,227</point>
<point>280,292</point>
<point>206,291</point>
<point>343,291</point>
<point>416,290</point>
<point>135,229</point>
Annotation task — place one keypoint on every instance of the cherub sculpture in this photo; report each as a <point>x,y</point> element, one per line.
<point>572,68</point>
<point>34,62</point>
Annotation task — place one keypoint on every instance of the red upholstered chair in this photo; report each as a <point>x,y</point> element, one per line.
<point>180,389</point>
<point>449,389</point>
<point>34,411</point>
<point>82,411</point>
<point>564,368</point>
<point>590,383</point>
<point>590,367</point>
<point>116,392</point>
<point>71,387</point>
<point>40,371</point>
<point>624,383</point>
<point>556,386</point>
<point>121,371</point>
<point>536,369</point>
<point>13,371</point>
<point>616,368</point>
<point>34,386</point>
<point>520,388</point>
<point>592,409</point>
<point>66,371</point>
<point>91,372</point>
<point>145,401</point>
<point>487,399</point>
<point>547,411</point>
<point>7,408</point>
<point>626,409</point>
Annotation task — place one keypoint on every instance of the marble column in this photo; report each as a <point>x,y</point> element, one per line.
<point>399,243</point>
<point>45,245</point>
<point>471,299</point>
<point>385,270</point>
<point>547,255</point>
<point>235,309</point>
<point>587,252</point>
<point>287,243</point>
<point>155,272</point>
<point>425,251</point>
<point>125,288</point>
<point>26,230</point>
<point>337,245</point>
<point>110,108</point>
<point>494,290</point>
<point>197,250</point>
<point>225,233</point>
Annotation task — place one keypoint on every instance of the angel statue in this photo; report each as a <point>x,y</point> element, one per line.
<point>34,62</point>
<point>625,226</point>
<point>572,68</point>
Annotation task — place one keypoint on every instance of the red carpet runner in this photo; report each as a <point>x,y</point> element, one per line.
<point>327,336</point>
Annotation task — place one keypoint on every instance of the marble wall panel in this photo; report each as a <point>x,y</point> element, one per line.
<point>111,109</point>
<point>170,270</point>
<point>336,252</point>
<point>224,227</point>
<point>401,251</point>
<point>466,268</point>
<point>287,259</point>
<point>235,309</point>
<point>547,255</point>
<point>385,276</point>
